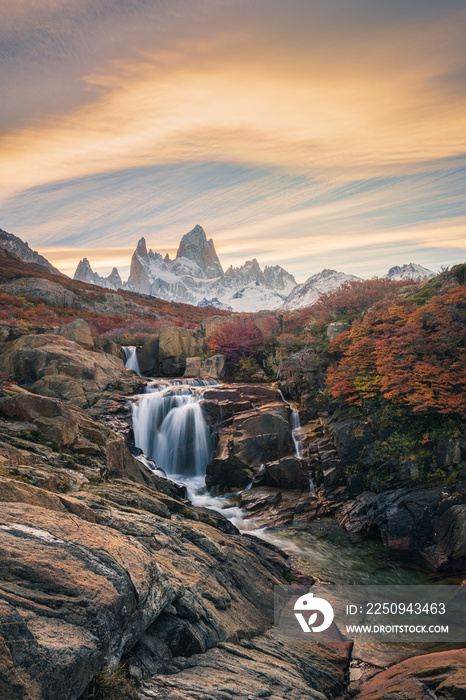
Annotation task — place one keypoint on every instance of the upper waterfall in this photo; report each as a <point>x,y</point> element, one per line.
<point>131,361</point>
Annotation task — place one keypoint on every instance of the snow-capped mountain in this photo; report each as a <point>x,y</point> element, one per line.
<point>196,277</point>
<point>84,273</point>
<point>307,293</point>
<point>410,272</point>
<point>24,252</point>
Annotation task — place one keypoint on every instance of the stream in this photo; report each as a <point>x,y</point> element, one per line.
<point>170,429</point>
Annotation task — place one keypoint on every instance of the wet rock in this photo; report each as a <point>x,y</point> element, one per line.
<point>258,436</point>
<point>270,507</point>
<point>287,473</point>
<point>427,521</point>
<point>451,535</point>
<point>227,473</point>
<point>353,440</point>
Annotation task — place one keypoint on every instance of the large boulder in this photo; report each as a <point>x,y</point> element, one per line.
<point>79,332</point>
<point>258,436</point>
<point>51,365</point>
<point>166,352</point>
<point>208,368</point>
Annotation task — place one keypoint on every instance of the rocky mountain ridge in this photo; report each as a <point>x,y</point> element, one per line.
<point>23,251</point>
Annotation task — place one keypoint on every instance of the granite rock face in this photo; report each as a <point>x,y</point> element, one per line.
<point>428,522</point>
<point>195,246</point>
<point>51,365</point>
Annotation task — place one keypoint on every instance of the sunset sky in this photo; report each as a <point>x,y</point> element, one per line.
<point>308,133</point>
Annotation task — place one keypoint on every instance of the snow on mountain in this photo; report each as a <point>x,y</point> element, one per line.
<point>84,273</point>
<point>307,293</point>
<point>24,252</point>
<point>411,272</point>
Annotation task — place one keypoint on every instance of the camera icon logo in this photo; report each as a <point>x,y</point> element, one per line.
<point>309,604</point>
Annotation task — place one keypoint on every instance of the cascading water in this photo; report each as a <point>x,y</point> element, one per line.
<point>296,433</point>
<point>169,427</point>
<point>131,361</point>
<point>295,429</point>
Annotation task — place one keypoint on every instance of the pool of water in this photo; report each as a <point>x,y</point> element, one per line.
<point>322,548</point>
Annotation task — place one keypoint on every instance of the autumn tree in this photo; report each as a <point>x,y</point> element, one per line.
<point>413,356</point>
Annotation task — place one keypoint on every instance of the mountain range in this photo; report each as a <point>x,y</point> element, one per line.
<point>196,276</point>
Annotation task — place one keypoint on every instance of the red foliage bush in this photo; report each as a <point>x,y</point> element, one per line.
<point>237,338</point>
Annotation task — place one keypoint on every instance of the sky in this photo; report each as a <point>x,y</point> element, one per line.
<point>310,134</point>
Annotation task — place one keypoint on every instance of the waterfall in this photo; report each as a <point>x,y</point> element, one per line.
<point>131,361</point>
<point>296,434</point>
<point>169,427</point>
<point>295,429</point>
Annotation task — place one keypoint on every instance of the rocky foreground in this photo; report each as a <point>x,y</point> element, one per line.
<point>102,561</point>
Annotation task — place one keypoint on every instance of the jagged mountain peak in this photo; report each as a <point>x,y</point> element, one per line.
<point>194,246</point>
<point>141,248</point>
<point>85,273</point>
